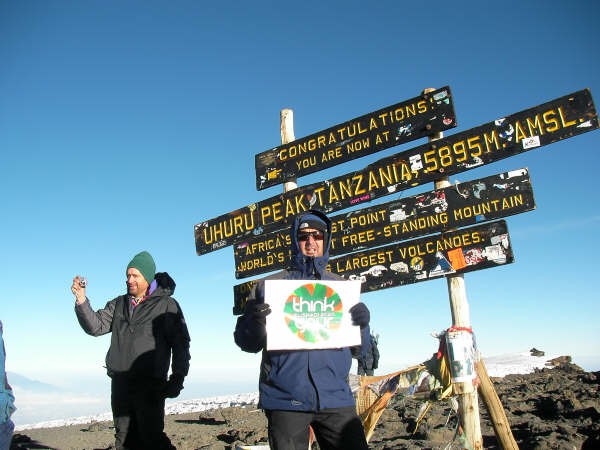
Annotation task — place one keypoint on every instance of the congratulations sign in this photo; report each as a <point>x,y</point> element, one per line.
<point>309,314</point>
<point>373,132</point>
<point>508,136</point>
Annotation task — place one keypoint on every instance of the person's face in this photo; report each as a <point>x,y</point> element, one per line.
<point>136,283</point>
<point>311,242</point>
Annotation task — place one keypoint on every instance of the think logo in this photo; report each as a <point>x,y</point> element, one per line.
<point>313,311</point>
<point>301,305</point>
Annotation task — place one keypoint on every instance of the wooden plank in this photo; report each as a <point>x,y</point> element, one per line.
<point>457,206</point>
<point>468,249</point>
<point>532,128</point>
<point>387,127</point>
<point>494,407</point>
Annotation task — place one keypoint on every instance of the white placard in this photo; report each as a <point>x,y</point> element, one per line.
<point>311,314</point>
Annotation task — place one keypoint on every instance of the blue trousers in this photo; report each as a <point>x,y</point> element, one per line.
<point>6,432</point>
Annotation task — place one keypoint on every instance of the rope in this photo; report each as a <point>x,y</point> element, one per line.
<point>455,328</point>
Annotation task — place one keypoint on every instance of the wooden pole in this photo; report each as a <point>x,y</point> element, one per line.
<point>287,136</point>
<point>468,402</point>
<point>495,409</point>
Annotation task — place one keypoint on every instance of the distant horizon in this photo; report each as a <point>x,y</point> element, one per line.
<point>46,407</point>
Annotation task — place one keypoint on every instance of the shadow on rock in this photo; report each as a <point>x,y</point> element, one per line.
<point>203,421</point>
<point>22,441</point>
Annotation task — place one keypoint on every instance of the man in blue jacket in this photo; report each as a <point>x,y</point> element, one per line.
<point>7,400</point>
<point>305,388</point>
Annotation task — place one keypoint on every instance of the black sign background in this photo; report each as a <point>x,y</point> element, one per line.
<point>460,251</point>
<point>456,206</point>
<point>387,127</point>
<point>512,135</point>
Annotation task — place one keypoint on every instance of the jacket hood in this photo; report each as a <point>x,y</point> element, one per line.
<point>162,285</point>
<point>308,266</point>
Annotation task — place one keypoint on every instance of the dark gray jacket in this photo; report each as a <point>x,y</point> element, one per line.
<point>143,342</point>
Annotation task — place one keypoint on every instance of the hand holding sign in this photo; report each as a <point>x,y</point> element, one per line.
<point>258,311</point>
<point>360,315</point>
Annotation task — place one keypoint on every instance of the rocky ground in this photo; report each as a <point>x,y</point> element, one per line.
<point>552,408</point>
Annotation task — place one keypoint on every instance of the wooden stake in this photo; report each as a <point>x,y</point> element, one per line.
<point>495,409</point>
<point>287,136</point>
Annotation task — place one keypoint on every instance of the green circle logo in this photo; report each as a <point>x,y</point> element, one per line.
<point>312,312</point>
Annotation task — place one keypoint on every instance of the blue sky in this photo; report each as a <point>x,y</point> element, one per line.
<point>123,124</point>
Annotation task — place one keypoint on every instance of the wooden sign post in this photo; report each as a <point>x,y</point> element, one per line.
<point>509,136</point>
<point>468,402</point>
<point>287,136</point>
<point>385,258</point>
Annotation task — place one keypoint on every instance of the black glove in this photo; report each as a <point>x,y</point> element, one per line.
<point>257,311</point>
<point>174,386</point>
<point>360,315</point>
<point>164,280</point>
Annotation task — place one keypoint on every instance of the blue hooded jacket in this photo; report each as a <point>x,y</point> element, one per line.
<point>298,380</point>
<point>7,399</point>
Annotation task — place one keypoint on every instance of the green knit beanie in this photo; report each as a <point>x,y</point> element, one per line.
<point>145,264</point>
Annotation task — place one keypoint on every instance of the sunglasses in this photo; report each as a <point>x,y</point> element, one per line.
<point>316,235</point>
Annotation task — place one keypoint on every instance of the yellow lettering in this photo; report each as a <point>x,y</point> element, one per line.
<point>372,181</point>
<point>491,138</point>
<point>535,126</point>
<point>406,173</point>
<point>332,153</point>
<point>551,121</point>
<point>520,133</point>
<point>362,237</point>
<point>333,195</point>
<point>565,123</point>
<point>357,180</point>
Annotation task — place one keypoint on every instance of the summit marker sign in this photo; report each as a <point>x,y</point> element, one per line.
<point>387,127</point>
<point>508,136</point>
<point>455,206</point>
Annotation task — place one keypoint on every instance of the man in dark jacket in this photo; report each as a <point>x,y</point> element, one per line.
<point>305,388</point>
<point>149,334</point>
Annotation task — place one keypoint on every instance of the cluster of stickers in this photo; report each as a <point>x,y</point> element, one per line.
<point>459,205</point>
<point>406,240</point>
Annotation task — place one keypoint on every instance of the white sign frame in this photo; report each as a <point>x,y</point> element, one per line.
<point>321,320</point>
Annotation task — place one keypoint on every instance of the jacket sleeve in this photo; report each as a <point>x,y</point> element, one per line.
<point>96,323</point>
<point>251,334</point>
<point>375,351</point>
<point>179,340</point>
